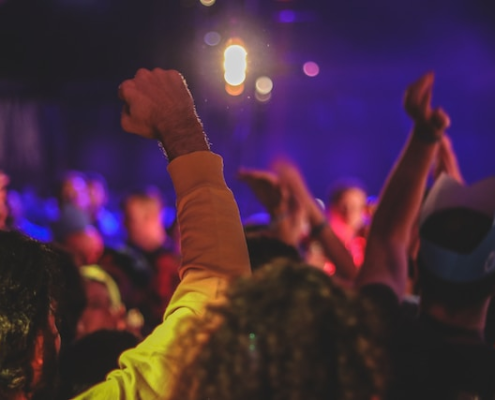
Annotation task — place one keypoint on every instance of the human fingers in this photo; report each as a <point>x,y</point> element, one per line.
<point>131,125</point>
<point>440,119</point>
<point>126,93</point>
<point>417,99</point>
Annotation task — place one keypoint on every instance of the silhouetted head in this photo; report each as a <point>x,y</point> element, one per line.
<point>456,259</point>
<point>29,340</point>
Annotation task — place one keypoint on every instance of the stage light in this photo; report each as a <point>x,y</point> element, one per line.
<point>264,85</point>
<point>207,3</point>
<point>235,64</point>
<point>311,69</point>
<point>212,38</point>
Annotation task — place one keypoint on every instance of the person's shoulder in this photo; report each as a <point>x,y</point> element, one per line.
<point>381,294</point>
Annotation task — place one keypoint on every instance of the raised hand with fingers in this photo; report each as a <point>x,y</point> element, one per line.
<point>265,186</point>
<point>291,178</point>
<point>288,217</point>
<point>159,105</point>
<point>386,258</point>
<point>429,123</point>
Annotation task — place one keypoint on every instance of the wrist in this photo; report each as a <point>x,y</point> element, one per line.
<point>426,133</point>
<point>316,229</point>
<point>184,139</point>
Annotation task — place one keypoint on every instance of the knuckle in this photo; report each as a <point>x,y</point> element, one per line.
<point>141,72</point>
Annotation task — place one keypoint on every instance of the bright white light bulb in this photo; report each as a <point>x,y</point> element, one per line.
<point>235,64</point>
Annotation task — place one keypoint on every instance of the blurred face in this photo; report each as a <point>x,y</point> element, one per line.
<point>135,217</point>
<point>142,220</point>
<point>351,208</point>
<point>97,195</point>
<point>98,313</point>
<point>75,191</point>
<point>86,246</point>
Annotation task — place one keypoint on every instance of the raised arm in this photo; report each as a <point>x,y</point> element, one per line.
<point>158,105</point>
<point>386,252</point>
<point>446,160</point>
<point>334,249</point>
<point>288,218</point>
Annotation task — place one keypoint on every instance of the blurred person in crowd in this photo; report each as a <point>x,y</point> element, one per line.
<point>152,251</point>
<point>104,309</point>
<point>72,189</point>
<point>101,217</point>
<point>73,230</point>
<point>347,214</point>
<point>297,218</point>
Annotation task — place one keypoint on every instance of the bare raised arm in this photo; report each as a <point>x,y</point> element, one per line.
<point>334,249</point>
<point>288,218</point>
<point>386,252</point>
<point>446,160</point>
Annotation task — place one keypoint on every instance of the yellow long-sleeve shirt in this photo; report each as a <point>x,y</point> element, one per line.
<point>213,252</point>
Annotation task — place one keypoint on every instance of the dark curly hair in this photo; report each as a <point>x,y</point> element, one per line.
<point>28,273</point>
<point>287,332</point>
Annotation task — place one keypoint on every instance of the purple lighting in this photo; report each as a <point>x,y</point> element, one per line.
<point>287,16</point>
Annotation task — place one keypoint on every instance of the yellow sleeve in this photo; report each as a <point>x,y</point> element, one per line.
<point>213,252</point>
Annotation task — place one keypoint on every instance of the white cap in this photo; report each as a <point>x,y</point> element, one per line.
<point>449,193</point>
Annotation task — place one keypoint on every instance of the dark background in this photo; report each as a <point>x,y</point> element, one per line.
<point>61,62</point>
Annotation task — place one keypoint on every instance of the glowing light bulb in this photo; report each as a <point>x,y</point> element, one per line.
<point>235,64</point>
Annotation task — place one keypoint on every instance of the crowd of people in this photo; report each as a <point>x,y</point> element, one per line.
<point>347,300</point>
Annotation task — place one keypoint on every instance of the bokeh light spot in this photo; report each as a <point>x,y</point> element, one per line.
<point>264,85</point>
<point>311,69</point>
<point>212,38</point>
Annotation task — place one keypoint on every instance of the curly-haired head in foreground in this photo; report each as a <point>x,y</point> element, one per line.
<point>287,332</point>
